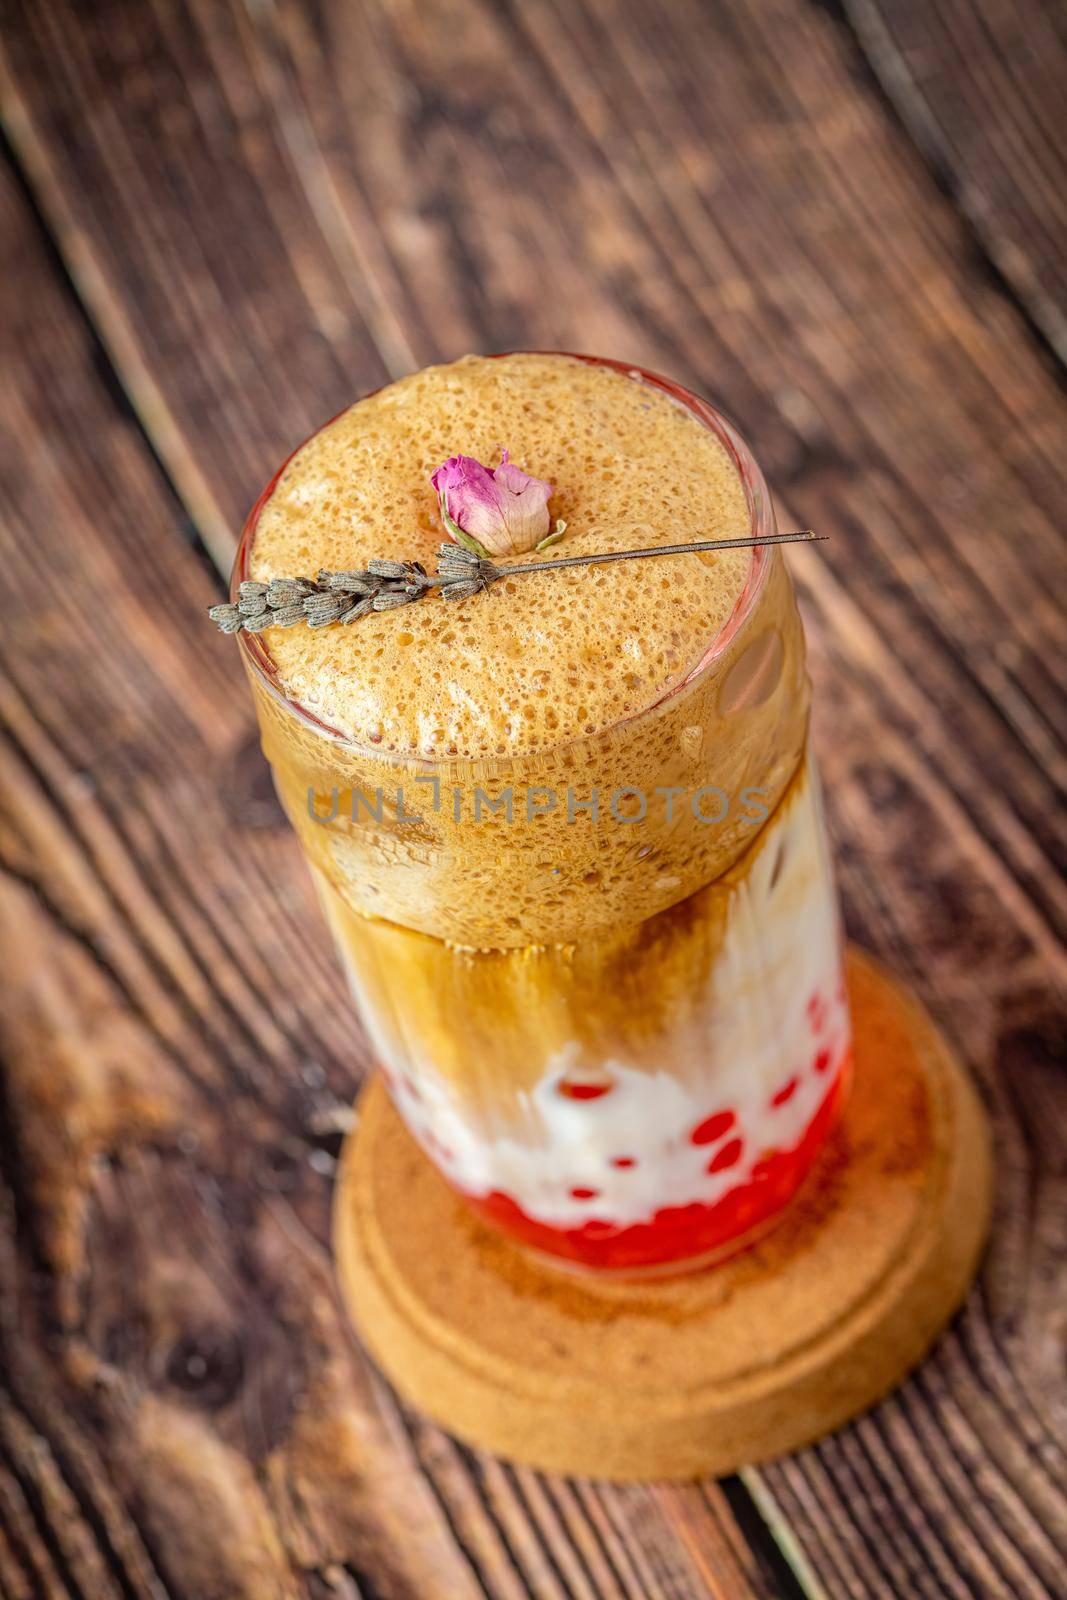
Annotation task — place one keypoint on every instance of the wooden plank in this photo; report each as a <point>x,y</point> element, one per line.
<point>201,1424</point>
<point>887,1505</point>
<point>712,191</point>
<point>183,1411</point>
<point>654,210</point>
<point>979,85</point>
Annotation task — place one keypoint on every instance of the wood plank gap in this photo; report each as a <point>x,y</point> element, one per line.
<point>29,164</point>
<point>789,1577</point>
<point>110,377</point>
<point>919,130</point>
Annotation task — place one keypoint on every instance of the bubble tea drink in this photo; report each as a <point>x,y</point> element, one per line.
<point>566,830</point>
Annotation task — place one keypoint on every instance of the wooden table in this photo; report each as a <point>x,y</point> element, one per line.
<point>222,221</point>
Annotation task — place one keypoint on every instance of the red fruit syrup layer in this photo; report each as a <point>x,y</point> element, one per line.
<point>677,1234</point>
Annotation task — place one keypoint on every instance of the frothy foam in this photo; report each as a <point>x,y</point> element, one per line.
<point>534,662</point>
<point>578,682</point>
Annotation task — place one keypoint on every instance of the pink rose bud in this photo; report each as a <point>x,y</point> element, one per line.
<point>499,513</point>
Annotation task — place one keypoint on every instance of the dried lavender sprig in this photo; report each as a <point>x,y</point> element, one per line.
<point>227,618</point>
<point>286,616</point>
<point>321,610</point>
<point>388,569</point>
<point>284,591</point>
<point>349,582</point>
<point>386,584</point>
<point>359,610</point>
<point>461,590</point>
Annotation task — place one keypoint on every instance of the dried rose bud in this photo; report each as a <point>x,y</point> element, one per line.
<point>500,512</point>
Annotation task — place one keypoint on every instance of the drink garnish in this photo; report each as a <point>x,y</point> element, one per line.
<point>499,511</point>
<point>384,584</point>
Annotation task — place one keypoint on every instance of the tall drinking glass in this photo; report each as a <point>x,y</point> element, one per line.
<point>601,973</point>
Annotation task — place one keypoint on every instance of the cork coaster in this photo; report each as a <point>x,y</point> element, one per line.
<point>673,1377</point>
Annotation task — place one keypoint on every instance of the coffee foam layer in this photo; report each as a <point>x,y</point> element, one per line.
<point>534,662</point>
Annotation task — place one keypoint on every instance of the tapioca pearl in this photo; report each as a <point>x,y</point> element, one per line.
<point>785,1093</point>
<point>822,1061</point>
<point>712,1128</point>
<point>623,1161</point>
<point>816,1009</point>
<point>585,1194</point>
<point>597,1229</point>
<point>585,1083</point>
<point>728,1156</point>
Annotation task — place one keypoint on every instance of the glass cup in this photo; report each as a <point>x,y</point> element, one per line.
<point>603,981</point>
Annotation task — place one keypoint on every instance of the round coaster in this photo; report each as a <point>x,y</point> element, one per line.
<point>673,1377</point>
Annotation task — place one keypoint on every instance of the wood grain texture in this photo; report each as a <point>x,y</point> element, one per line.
<point>183,1410</point>
<point>265,210</point>
<point>979,85</point>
